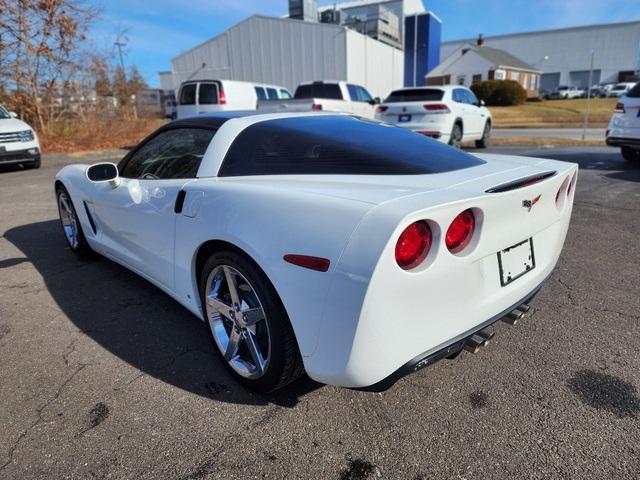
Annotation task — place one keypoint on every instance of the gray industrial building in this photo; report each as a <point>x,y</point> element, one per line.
<point>564,55</point>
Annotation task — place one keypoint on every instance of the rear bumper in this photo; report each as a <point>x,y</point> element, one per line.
<point>623,142</point>
<point>448,349</point>
<point>19,156</point>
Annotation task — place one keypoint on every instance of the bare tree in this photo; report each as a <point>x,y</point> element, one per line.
<point>40,41</point>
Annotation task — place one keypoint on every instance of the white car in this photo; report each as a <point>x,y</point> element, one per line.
<point>325,96</point>
<point>450,114</point>
<point>567,92</point>
<point>620,89</point>
<point>624,127</point>
<point>347,248</point>
<point>204,96</point>
<point>18,141</point>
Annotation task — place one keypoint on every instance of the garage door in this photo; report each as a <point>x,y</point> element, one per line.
<point>549,81</point>
<point>580,79</point>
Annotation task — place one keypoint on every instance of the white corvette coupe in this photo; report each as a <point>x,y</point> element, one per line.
<point>350,249</point>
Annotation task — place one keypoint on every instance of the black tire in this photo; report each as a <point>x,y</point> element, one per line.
<point>456,136</point>
<point>630,154</point>
<point>486,137</point>
<point>81,249</point>
<point>285,363</point>
<point>35,164</point>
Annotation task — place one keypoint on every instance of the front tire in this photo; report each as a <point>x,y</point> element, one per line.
<point>71,226</point>
<point>456,136</point>
<point>248,324</point>
<point>486,137</point>
<point>630,154</point>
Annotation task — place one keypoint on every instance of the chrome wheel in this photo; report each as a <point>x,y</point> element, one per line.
<point>69,220</point>
<point>238,322</point>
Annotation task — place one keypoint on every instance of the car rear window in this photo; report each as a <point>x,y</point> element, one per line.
<point>634,92</point>
<point>188,94</point>
<point>416,95</point>
<point>208,94</point>
<point>319,90</point>
<point>337,145</point>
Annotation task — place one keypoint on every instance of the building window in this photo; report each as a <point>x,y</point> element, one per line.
<point>499,75</point>
<point>477,78</point>
<point>515,76</point>
<point>461,79</point>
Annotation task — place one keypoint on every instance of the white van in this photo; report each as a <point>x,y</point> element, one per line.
<point>202,96</point>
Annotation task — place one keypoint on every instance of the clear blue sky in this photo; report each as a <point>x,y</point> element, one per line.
<point>159,30</point>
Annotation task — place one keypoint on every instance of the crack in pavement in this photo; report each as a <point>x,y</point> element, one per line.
<point>39,412</point>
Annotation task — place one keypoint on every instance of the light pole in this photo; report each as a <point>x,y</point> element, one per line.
<point>586,113</point>
<point>120,44</point>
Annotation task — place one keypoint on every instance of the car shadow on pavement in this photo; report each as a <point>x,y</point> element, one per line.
<point>135,321</point>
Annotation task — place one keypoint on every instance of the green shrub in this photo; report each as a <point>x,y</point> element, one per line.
<point>501,93</point>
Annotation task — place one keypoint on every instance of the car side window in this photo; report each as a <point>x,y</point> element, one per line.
<point>364,95</point>
<point>188,94</point>
<point>285,94</point>
<point>458,95</point>
<point>175,153</point>
<point>471,97</point>
<point>272,93</point>
<point>353,92</point>
<point>262,95</point>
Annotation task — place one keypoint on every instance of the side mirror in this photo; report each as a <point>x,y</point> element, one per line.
<point>481,103</point>
<point>13,114</point>
<point>375,101</point>
<point>103,172</point>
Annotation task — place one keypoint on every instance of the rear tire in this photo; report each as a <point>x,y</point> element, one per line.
<point>456,136</point>
<point>630,154</point>
<point>486,137</point>
<point>71,227</point>
<point>263,356</point>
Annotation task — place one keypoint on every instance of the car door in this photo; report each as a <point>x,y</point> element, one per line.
<point>136,220</point>
<point>477,113</point>
<point>187,106</point>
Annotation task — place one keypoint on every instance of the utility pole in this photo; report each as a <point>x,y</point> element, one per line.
<point>586,113</point>
<point>120,44</point>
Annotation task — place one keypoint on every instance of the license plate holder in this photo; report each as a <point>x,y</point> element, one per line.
<point>404,118</point>
<point>516,261</point>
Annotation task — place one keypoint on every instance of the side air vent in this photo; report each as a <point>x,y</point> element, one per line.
<point>520,183</point>
<point>93,225</point>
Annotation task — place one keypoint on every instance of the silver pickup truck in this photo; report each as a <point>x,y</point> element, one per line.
<point>326,96</point>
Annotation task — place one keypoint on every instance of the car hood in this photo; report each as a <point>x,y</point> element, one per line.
<point>378,189</point>
<point>8,125</point>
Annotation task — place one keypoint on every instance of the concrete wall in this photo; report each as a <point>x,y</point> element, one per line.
<point>288,52</point>
<point>373,64</point>
<point>616,48</point>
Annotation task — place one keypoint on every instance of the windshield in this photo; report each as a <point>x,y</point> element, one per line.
<point>416,95</point>
<point>3,113</point>
<point>619,87</point>
<point>326,145</point>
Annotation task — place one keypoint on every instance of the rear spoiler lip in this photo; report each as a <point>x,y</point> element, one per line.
<point>521,182</point>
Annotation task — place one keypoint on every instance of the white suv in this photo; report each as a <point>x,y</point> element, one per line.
<point>18,142</point>
<point>450,114</point>
<point>624,127</point>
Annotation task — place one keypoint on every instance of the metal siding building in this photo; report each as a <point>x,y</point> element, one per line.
<point>616,47</point>
<point>287,52</point>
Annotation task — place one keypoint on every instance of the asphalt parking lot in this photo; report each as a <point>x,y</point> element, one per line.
<point>103,376</point>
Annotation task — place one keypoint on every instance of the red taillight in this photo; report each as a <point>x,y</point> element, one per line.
<point>436,108</point>
<point>381,108</point>
<point>460,231</point>
<point>413,245</point>
<point>222,98</point>
<point>619,108</point>
<point>316,107</point>
<point>306,261</point>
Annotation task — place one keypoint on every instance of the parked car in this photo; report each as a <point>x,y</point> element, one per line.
<point>202,96</point>
<point>350,249</point>
<point>18,141</point>
<point>564,92</point>
<point>620,89</point>
<point>624,127</point>
<point>450,114</point>
<point>326,96</point>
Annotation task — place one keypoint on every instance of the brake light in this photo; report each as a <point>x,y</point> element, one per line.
<point>316,107</point>
<point>619,108</point>
<point>436,108</point>
<point>313,263</point>
<point>413,245</point>
<point>381,108</point>
<point>222,98</point>
<point>460,231</point>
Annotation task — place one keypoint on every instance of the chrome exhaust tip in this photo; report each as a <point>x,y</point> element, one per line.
<point>474,343</point>
<point>512,317</point>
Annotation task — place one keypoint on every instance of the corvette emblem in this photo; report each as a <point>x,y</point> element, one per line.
<point>528,204</point>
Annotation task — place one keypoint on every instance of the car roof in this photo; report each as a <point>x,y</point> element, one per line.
<point>212,120</point>
<point>431,87</point>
